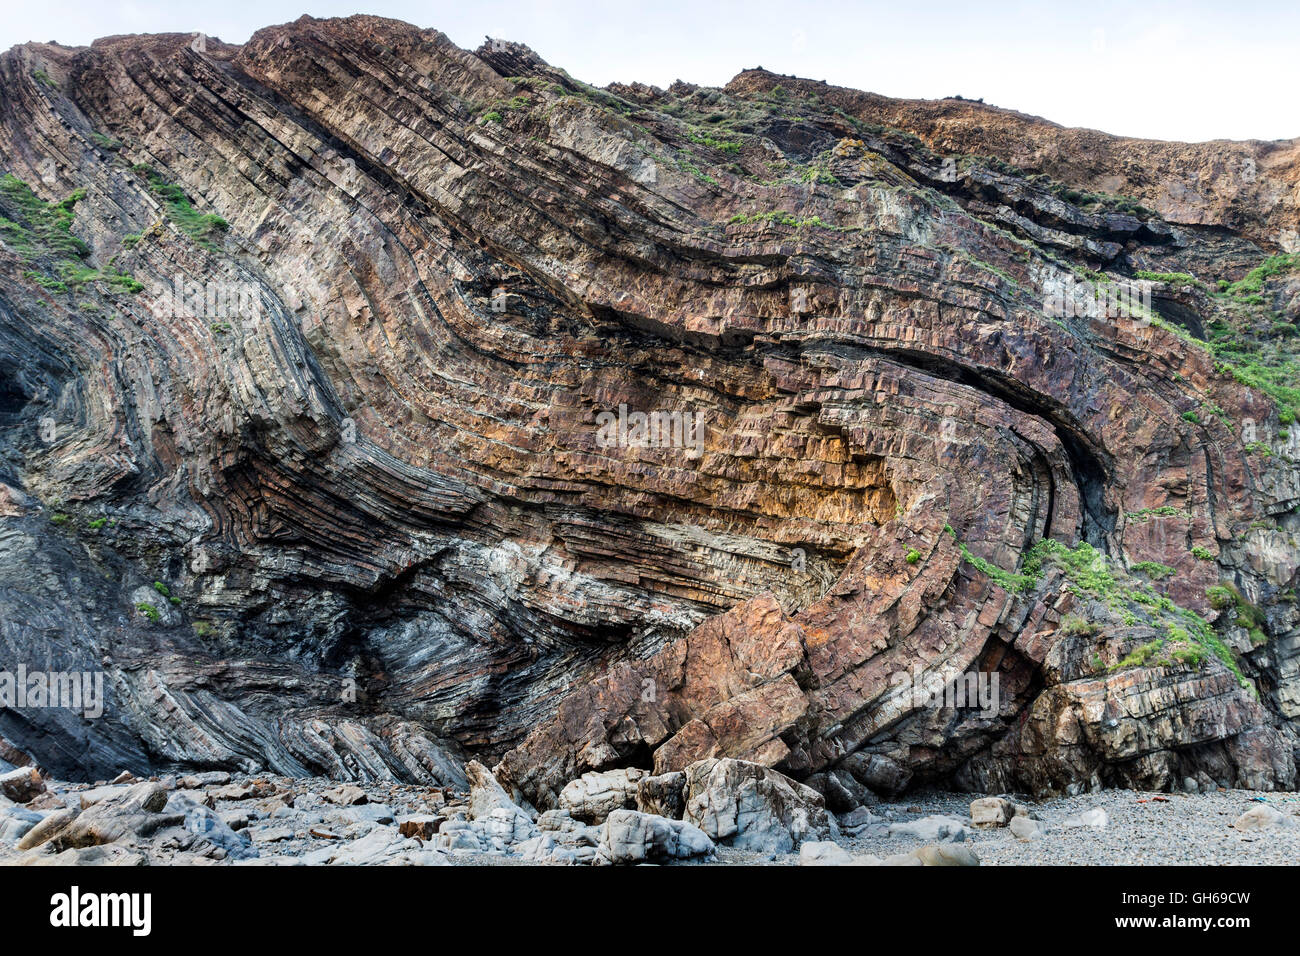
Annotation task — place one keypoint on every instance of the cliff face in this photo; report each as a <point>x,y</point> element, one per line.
<point>320,366</point>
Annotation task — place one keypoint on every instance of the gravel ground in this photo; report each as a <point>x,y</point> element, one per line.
<point>1178,829</point>
<point>1143,828</point>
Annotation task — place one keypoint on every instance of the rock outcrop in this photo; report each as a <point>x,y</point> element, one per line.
<point>369,406</point>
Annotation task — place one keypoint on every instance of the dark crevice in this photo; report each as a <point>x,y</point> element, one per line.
<point>1089,466</point>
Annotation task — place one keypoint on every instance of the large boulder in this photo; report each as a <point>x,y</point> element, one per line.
<point>21,784</point>
<point>135,814</point>
<point>1260,817</point>
<point>485,793</point>
<point>990,812</point>
<point>663,794</point>
<point>878,773</point>
<point>593,795</point>
<point>206,824</point>
<point>752,807</point>
<point>635,837</point>
<point>935,827</point>
<point>17,822</point>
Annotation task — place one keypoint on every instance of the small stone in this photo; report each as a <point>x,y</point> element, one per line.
<point>242,791</point>
<point>420,826</point>
<point>48,828</point>
<point>194,781</point>
<point>348,795</point>
<point>272,834</point>
<point>99,794</point>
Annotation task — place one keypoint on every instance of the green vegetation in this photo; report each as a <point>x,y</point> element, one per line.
<point>1255,278</point>
<point>726,146</point>
<point>162,589</point>
<point>60,518</point>
<point>1140,656</point>
<point>148,610</point>
<point>97,523</point>
<point>1173,278</point>
<point>1075,625</point>
<point>782,218</point>
<point>43,78</point>
<point>913,556</point>
<point>1164,511</point>
<point>201,227</point>
<point>492,116</point>
<point>42,231</point>
<point>1202,553</point>
<point>1088,574</point>
<point>1191,417</point>
<point>1007,580</point>
<point>1154,570</point>
<point>1224,597</point>
<point>686,166</point>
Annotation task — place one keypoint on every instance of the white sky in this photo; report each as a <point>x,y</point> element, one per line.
<point>1192,71</point>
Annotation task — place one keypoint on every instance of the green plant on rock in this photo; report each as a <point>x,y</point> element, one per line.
<point>1076,625</point>
<point>201,227</point>
<point>1154,570</point>
<point>42,232</point>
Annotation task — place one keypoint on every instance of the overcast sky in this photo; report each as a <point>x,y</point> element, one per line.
<point>1193,70</point>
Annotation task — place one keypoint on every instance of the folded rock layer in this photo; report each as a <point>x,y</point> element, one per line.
<point>578,429</point>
